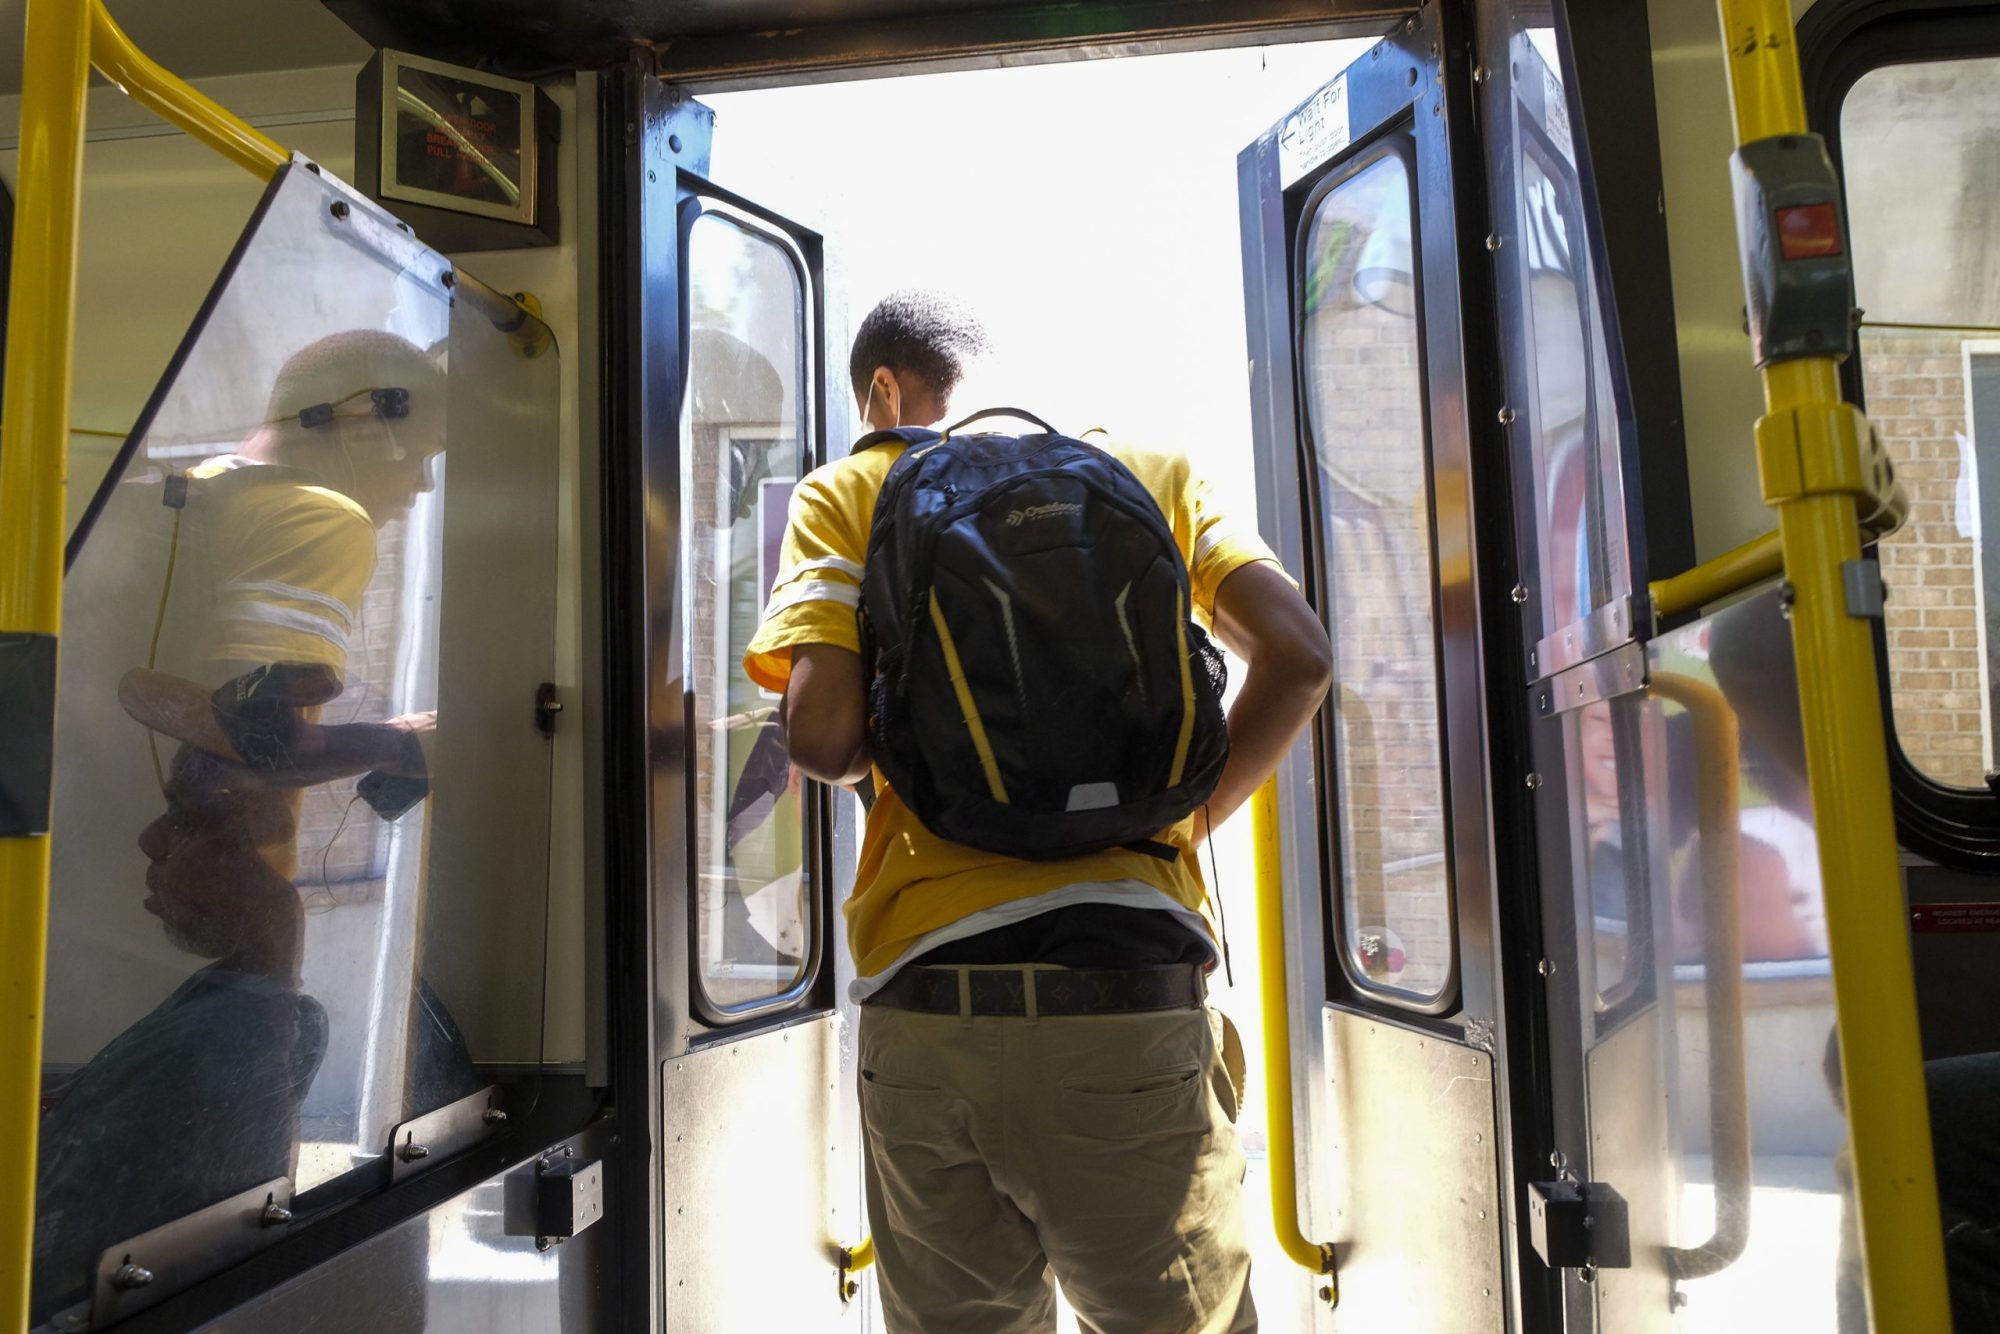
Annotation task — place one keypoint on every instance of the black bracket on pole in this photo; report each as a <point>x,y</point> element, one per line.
<point>27,732</point>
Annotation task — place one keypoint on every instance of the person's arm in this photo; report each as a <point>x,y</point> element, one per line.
<point>822,714</point>
<point>1263,619</point>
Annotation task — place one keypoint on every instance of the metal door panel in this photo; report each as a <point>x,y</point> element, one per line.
<point>1416,1203</point>
<point>1400,1145</point>
<point>1625,1071</point>
<point>754,1221</point>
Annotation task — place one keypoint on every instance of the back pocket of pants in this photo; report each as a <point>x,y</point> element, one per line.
<point>895,1107</point>
<point>1151,1102</point>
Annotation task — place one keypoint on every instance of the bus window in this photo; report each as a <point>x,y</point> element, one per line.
<point>1922,189</point>
<point>744,421</point>
<point>1360,363</point>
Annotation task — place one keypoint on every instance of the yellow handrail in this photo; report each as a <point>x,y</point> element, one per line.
<point>1719,819</point>
<point>1733,570</point>
<point>175,102</point>
<point>854,1259</point>
<point>34,436</point>
<point>1809,456</point>
<point>1273,987</point>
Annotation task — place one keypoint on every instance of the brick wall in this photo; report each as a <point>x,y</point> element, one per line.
<point>1916,396</point>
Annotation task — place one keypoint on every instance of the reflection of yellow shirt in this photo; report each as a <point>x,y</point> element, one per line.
<point>911,882</point>
<point>280,561</point>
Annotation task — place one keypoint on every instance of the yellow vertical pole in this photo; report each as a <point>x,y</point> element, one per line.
<point>1808,447</point>
<point>1274,993</point>
<point>34,436</point>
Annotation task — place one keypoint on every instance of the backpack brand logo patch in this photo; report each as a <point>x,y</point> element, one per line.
<point>1015,518</point>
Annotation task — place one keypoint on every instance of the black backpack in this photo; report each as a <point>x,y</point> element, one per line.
<point>1036,683</point>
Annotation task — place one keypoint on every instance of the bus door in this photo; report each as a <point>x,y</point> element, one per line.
<point>1597,745</point>
<point>718,329</point>
<point>1360,389</point>
<point>1688,1174</point>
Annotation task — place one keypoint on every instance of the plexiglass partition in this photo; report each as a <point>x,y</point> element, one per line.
<point>301,820</point>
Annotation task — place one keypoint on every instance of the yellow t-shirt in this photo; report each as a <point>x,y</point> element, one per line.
<point>276,564</point>
<point>911,882</point>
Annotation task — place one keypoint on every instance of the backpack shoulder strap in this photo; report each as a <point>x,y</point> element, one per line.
<point>913,436</point>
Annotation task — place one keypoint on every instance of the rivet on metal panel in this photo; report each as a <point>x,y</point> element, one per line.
<point>1479,74</point>
<point>274,1213</point>
<point>1534,781</point>
<point>338,208</point>
<point>1506,416</point>
<point>131,1277</point>
<point>1547,969</point>
<point>1787,595</point>
<point>546,1243</point>
<point>411,1150</point>
<point>1437,108</point>
<point>673,143</point>
<point>1520,593</point>
<point>1493,241</point>
<point>493,1116</point>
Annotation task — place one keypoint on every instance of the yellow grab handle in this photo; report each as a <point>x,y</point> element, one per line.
<point>1719,819</point>
<point>1274,989</point>
<point>171,99</point>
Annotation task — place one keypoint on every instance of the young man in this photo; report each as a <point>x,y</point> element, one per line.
<point>1041,1088</point>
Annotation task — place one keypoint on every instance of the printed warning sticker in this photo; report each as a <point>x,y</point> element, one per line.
<point>1955,917</point>
<point>1313,133</point>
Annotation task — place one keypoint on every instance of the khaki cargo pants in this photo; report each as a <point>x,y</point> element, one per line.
<point>1004,1154</point>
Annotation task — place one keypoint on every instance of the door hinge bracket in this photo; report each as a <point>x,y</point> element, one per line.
<point>1579,1225</point>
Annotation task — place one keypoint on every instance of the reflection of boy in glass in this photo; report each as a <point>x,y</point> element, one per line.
<point>200,1099</point>
<point>275,544</point>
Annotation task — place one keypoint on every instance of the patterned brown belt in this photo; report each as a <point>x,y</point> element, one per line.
<point>1057,991</point>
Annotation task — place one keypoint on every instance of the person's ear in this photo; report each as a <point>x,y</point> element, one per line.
<point>888,396</point>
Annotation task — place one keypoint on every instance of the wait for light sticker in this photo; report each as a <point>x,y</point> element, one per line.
<point>1313,133</point>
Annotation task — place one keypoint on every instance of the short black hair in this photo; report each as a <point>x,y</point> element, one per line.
<point>917,333</point>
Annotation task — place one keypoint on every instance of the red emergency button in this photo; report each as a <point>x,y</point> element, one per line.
<point>1809,231</point>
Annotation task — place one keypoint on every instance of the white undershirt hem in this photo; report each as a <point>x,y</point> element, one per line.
<point>1124,893</point>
